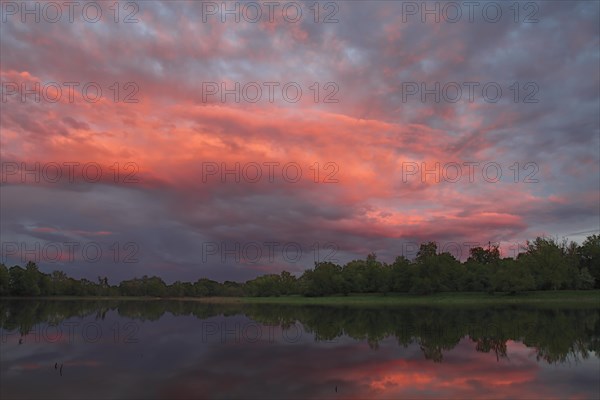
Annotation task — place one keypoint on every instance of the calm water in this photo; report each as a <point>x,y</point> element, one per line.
<point>166,349</point>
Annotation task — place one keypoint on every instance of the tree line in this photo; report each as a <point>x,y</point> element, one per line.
<point>544,265</point>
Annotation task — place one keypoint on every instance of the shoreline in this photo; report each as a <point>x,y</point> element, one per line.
<point>565,297</point>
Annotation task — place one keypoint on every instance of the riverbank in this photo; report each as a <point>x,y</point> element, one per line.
<point>590,298</point>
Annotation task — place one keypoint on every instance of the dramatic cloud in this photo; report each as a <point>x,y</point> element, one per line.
<point>184,146</point>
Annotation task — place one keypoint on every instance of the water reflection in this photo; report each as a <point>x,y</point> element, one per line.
<point>170,349</point>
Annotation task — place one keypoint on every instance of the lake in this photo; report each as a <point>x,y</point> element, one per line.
<point>177,349</point>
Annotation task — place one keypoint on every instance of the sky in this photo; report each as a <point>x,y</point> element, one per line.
<point>229,140</point>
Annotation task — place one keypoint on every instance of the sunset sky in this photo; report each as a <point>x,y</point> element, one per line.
<point>169,211</point>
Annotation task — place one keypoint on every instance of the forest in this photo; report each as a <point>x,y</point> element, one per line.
<point>543,265</point>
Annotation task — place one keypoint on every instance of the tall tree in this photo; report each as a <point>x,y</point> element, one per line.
<point>590,257</point>
<point>4,281</point>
